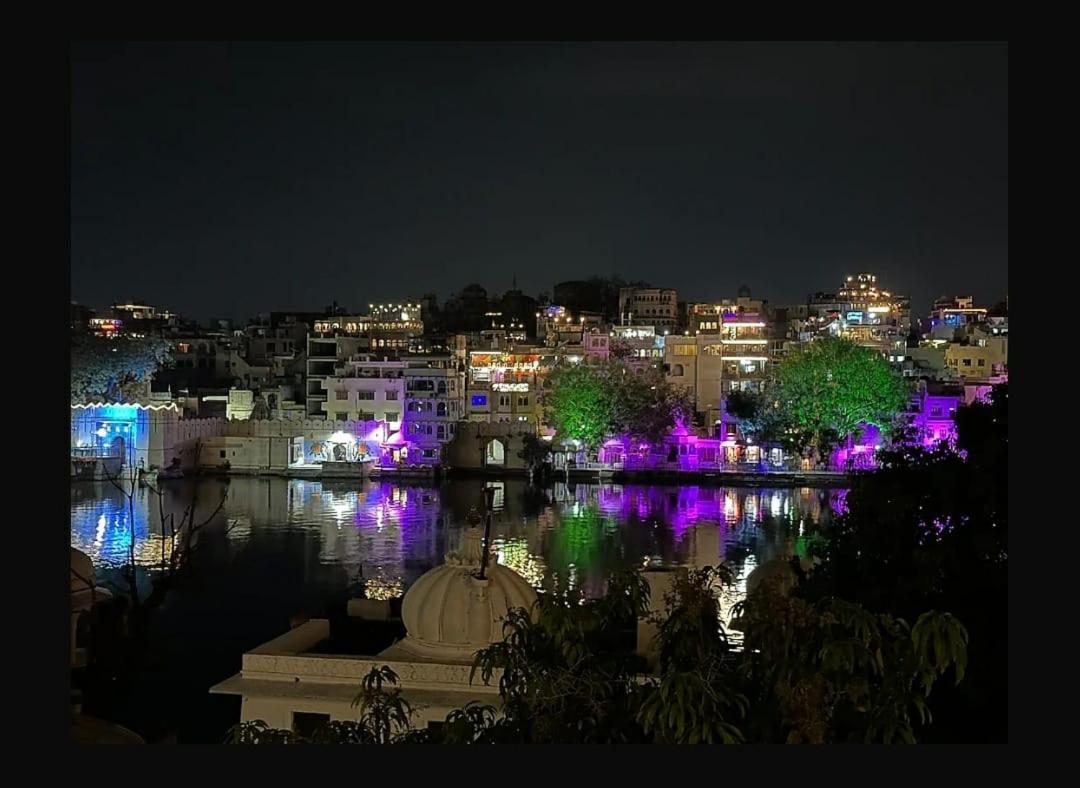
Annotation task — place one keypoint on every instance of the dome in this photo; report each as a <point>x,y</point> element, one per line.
<point>450,614</point>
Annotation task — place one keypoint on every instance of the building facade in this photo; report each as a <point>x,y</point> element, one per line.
<point>652,306</point>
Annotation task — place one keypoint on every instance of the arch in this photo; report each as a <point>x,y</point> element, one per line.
<point>677,370</point>
<point>495,453</point>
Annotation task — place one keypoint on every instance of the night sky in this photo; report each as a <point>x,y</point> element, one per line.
<point>228,179</point>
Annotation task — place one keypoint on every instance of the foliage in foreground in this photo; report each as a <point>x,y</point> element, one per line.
<point>814,672</point>
<point>930,530</point>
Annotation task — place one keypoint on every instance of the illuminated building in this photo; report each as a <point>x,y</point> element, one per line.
<point>559,327</point>
<point>434,404</point>
<point>503,386</point>
<point>864,313</point>
<point>980,356</point>
<point>652,306</point>
<point>331,343</point>
<point>368,390</point>
<point>956,311</point>
<point>105,326</point>
<point>638,347</point>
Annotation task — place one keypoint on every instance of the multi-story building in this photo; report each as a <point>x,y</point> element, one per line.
<point>434,403</point>
<point>596,346</point>
<point>706,318</point>
<point>638,347</point>
<point>504,386</point>
<point>558,327</point>
<point>695,363</point>
<point>864,313</point>
<point>652,306</point>
<point>956,311</point>
<point>982,357</point>
<point>744,347</point>
<point>394,327</point>
<point>371,389</point>
<point>331,343</point>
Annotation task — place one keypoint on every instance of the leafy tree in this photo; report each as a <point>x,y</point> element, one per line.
<point>760,416</point>
<point>534,450</point>
<point>109,368</point>
<point>590,403</point>
<point>828,671</point>
<point>578,405</point>
<point>929,530</point>
<point>827,388</point>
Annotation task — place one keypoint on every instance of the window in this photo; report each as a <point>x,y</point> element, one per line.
<point>365,395</point>
<point>341,394</point>
<point>523,402</point>
<point>391,416</point>
<point>982,362</point>
<point>441,409</point>
<point>967,362</point>
<point>271,347</point>
<point>478,400</point>
<point>430,454</point>
<point>343,416</point>
<point>504,400</point>
<point>391,396</point>
<point>441,432</point>
<point>222,452</point>
<point>306,723</point>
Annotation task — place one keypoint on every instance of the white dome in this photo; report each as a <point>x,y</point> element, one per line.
<point>450,614</point>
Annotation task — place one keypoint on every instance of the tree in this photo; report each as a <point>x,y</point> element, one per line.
<point>760,417</point>
<point>929,530</point>
<point>589,403</point>
<point>826,389</point>
<point>578,405</point>
<point>808,672</point>
<point>534,451</point>
<point>109,367</point>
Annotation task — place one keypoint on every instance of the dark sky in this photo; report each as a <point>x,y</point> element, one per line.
<point>227,179</point>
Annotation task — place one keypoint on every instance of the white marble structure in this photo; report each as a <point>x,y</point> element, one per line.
<point>449,614</point>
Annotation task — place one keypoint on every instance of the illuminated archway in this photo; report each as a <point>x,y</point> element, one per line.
<point>495,453</point>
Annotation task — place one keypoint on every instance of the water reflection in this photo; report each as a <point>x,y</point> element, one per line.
<point>377,538</point>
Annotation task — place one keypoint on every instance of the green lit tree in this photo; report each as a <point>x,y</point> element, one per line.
<point>578,404</point>
<point>826,389</point>
<point>589,403</point>
<point>113,368</point>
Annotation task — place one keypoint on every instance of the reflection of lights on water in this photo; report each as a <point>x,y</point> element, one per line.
<point>514,554</point>
<point>776,505</point>
<point>99,535</point>
<point>383,589</point>
<point>751,508</point>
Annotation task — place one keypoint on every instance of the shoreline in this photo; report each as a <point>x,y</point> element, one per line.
<point>580,475</point>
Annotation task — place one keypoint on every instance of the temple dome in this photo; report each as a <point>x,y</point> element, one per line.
<point>450,614</point>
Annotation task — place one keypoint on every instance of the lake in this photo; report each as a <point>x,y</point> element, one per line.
<point>279,548</point>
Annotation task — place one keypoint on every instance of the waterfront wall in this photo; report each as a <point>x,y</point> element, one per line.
<point>473,446</point>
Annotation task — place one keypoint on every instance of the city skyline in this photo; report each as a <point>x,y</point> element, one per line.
<point>223,180</point>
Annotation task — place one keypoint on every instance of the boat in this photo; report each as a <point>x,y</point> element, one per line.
<point>344,470</point>
<point>406,471</point>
